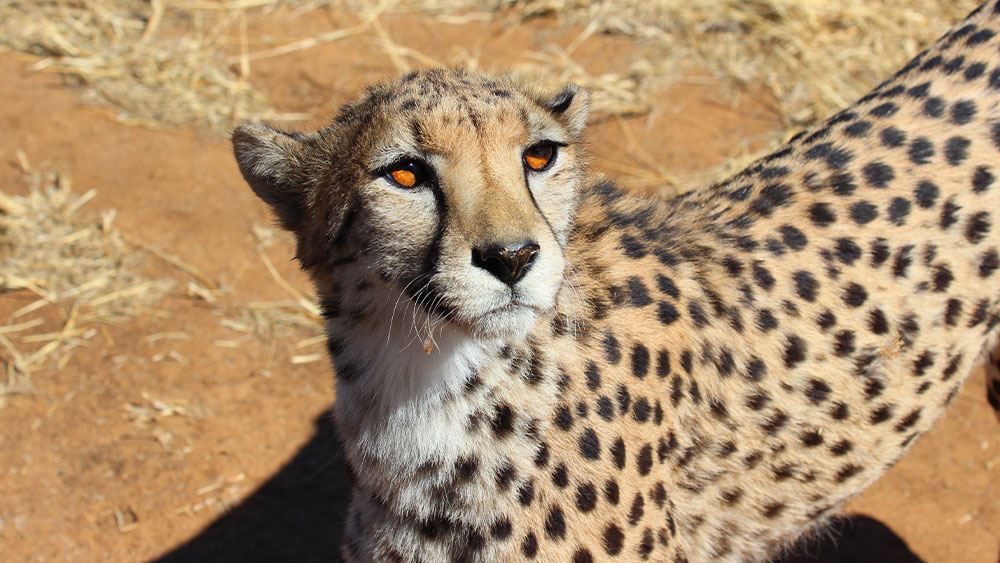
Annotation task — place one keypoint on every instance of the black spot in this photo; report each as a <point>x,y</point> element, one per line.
<point>855,295</point>
<point>902,261</point>
<point>697,314</point>
<point>466,468</point>
<point>503,421</point>
<point>618,453</point>
<point>988,263</point>
<point>771,196</point>
<point>663,363</point>
<point>758,400</point>
<point>667,286</point>
<point>847,250</point>
<point>583,555</point>
<point>501,529</point>
<point>733,266</point>
<point>826,320</point>
<point>590,446</point>
<point>878,174</point>
<point>762,276</point>
<point>632,247</point>
<point>963,112</point>
<point>605,409</point>
<point>773,510</point>
<point>977,227</point>
<point>847,472</point>
<point>775,423</point>
<point>718,408</point>
<point>563,418</point>
<point>542,455</point>
<point>560,476</point>
<point>676,390</point>
<point>613,539</point>
<point>638,295</point>
<point>926,194</point>
<point>956,150</point>
<point>835,157</point>
<point>818,391</point>
<point>586,497</point>
<point>873,389</point>
<point>641,410</point>
<point>766,320</point>
<point>908,421</point>
<point>666,313</point>
<point>881,414</point>
<point>921,150</point>
<point>942,277</point>
<point>593,375</point>
<point>732,496</point>
<point>526,493</point>
<point>686,361</point>
<point>952,367</point>
<point>644,461</point>
<point>892,137</point>
<point>635,514</point>
<point>505,475</point>
<point>640,361</point>
<point>982,180</point>
<point>812,438</point>
<point>793,237</point>
<point>624,399</point>
<point>952,311</point>
<point>821,214</point>
<point>842,184</point>
<point>844,343</point>
<point>877,322</point>
<point>934,107</point>
<point>954,65</point>
<point>841,448</point>
<point>974,71</point>
<point>611,491</point>
<point>806,285</point>
<point>981,36</point>
<point>795,351</point>
<point>840,411</point>
<point>756,369</point>
<point>858,129</point>
<point>529,547</point>
<point>919,91</point>
<point>863,212</point>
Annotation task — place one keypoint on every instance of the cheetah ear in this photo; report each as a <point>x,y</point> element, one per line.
<point>277,166</point>
<point>571,106</point>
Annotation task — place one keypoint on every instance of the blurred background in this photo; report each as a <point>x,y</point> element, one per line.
<point>163,382</point>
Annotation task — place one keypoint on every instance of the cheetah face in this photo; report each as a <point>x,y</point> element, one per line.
<point>457,191</point>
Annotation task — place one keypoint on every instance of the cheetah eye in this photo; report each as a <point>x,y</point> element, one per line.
<point>407,174</point>
<point>540,157</point>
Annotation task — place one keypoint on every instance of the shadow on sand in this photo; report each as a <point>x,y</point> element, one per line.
<point>297,516</point>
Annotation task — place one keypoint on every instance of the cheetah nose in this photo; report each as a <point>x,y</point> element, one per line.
<point>507,262</point>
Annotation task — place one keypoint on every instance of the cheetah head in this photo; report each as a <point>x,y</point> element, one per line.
<point>449,189</point>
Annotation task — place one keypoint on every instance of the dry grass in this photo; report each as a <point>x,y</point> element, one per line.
<point>73,265</point>
<point>814,56</point>
<point>162,62</point>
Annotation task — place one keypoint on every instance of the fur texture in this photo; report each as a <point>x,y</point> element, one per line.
<point>702,378</point>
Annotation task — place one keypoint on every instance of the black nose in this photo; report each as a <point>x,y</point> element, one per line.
<point>508,262</point>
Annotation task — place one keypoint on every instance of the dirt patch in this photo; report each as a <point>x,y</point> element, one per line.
<point>166,422</point>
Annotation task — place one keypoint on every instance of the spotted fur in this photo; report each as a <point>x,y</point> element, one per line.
<point>695,379</point>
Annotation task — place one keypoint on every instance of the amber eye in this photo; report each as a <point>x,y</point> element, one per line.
<point>540,156</point>
<point>408,174</point>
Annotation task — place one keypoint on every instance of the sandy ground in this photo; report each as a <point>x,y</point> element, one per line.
<point>247,467</point>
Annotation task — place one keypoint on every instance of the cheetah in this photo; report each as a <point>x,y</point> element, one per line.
<point>532,364</point>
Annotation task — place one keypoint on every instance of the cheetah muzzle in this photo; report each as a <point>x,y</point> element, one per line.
<point>534,364</point>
